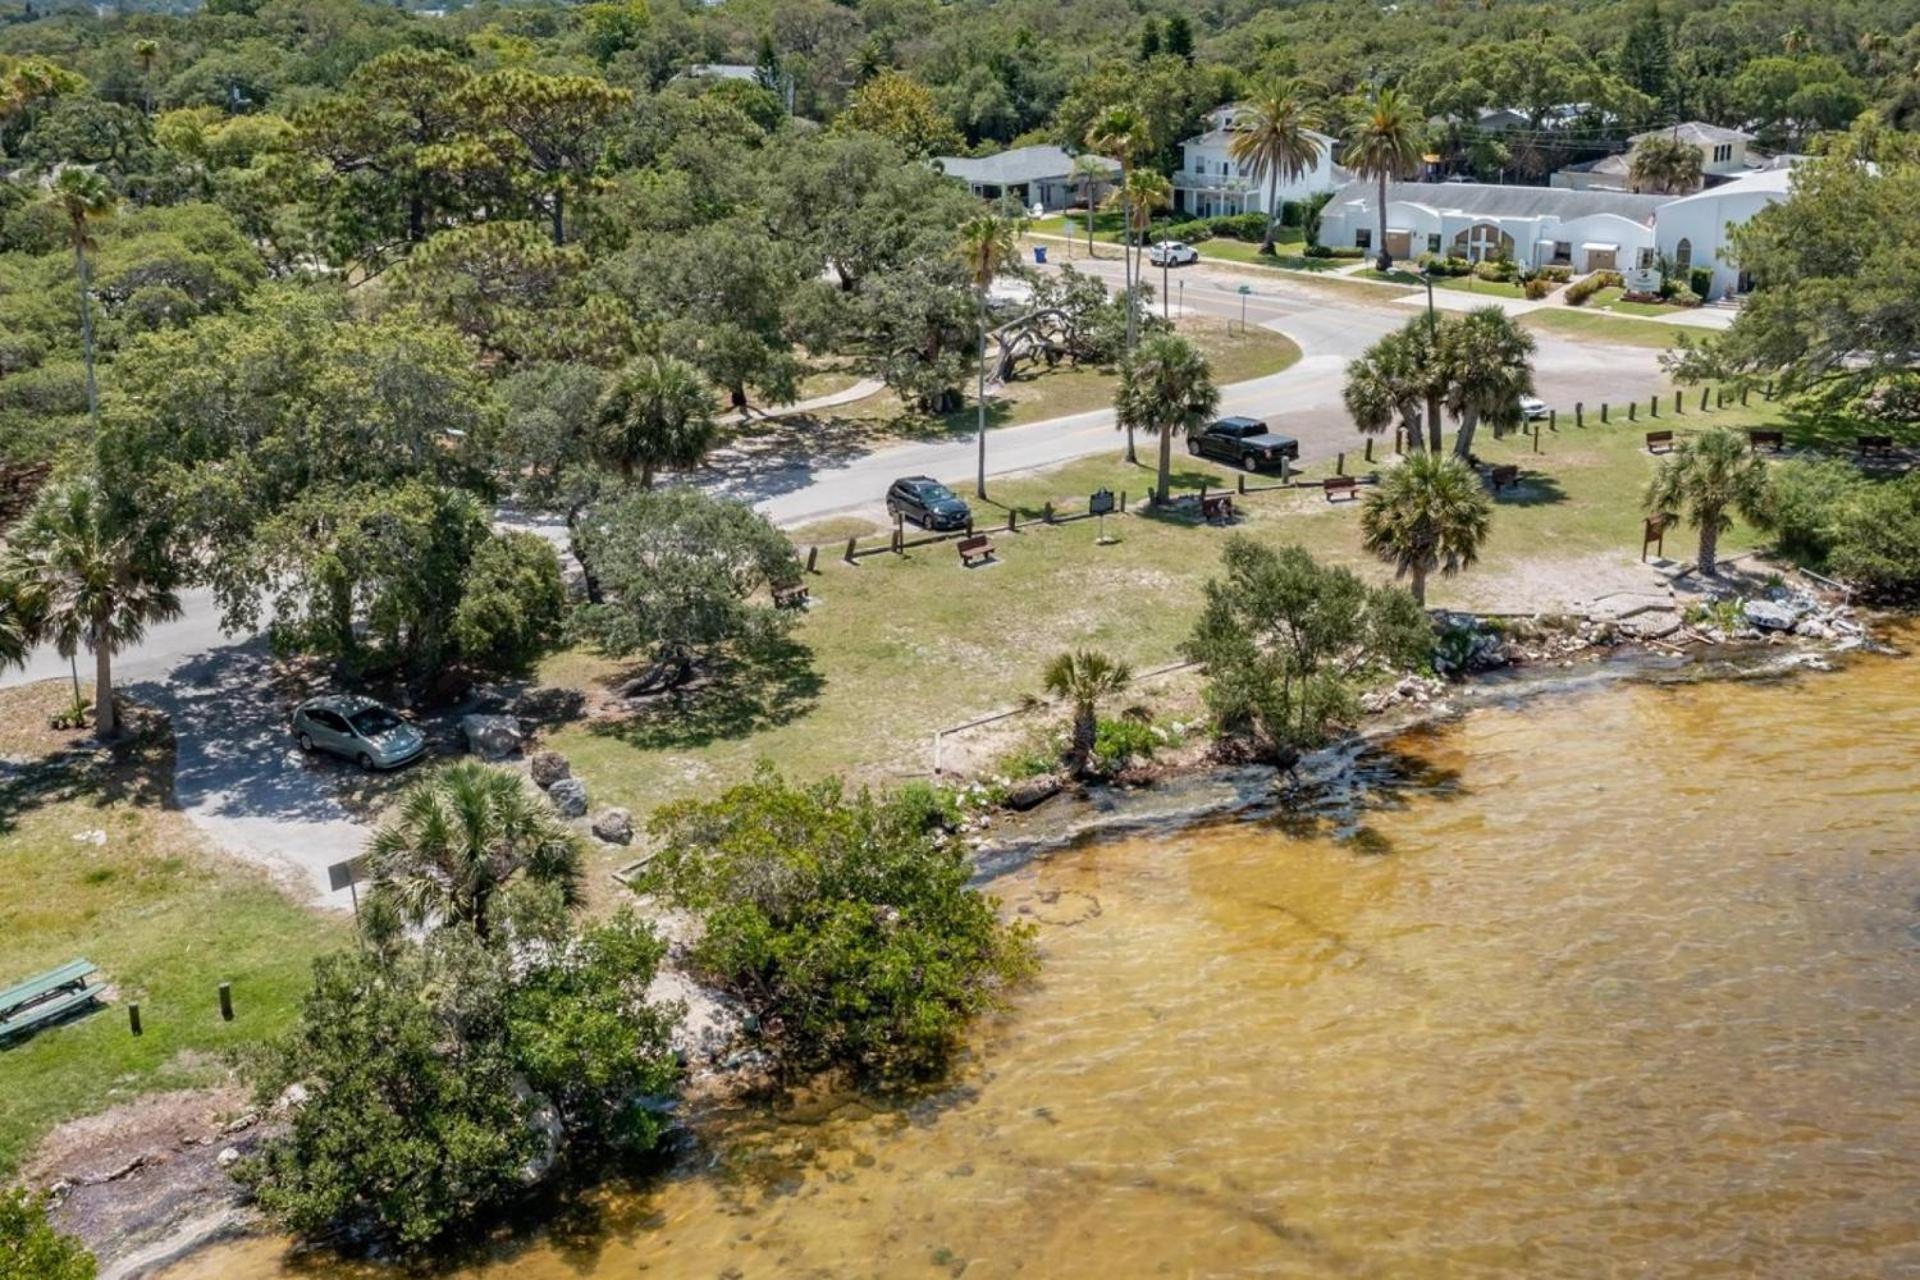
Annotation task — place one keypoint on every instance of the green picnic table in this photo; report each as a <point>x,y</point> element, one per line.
<point>40,1000</point>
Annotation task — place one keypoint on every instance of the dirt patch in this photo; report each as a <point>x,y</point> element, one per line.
<point>1559,585</point>
<point>147,1180</point>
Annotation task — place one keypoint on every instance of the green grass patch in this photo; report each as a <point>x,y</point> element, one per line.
<point>1488,288</point>
<point>166,921</point>
<point>1581,323</point>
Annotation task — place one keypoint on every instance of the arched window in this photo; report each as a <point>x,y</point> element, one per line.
<point>1683,256</point>
<point>1483,240</point>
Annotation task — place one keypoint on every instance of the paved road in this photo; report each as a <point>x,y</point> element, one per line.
<point>1302,401</point>
<point>242,783</point>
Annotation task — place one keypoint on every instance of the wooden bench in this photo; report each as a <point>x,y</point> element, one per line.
<point>793,597</point>
<point>978,547</point>
<point>1774,440</point>
<point>1505,476</point>
<point>1217,509</point>
<point>1874,444</point>
<point>1659,442</point>
<point>1333,485</point>
<point>40,1000</point>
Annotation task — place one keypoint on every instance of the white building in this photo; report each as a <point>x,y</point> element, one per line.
<point>1210,182</point>
<point>1033,175</point>
<point>1724,156</point>
<point>1590,230</point>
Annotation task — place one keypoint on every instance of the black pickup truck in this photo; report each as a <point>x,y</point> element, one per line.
<point>1245,442</point>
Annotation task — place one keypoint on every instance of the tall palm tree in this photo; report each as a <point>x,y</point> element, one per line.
<point>1796,41</point>
<point>1401,379</point>
<point>1166,387</point>
<point>16,624</point>
<point>1121,134</point>
<point>146,51</point>
<point>1489,365</point>
<point>459,836</point>
<point>987,243</point>
<point>1143,192</point>
<point>1089,173</point>
<point>93,580</point>
<point>1664,166</point>
<point>656,412</point>
<point>1384,144</point>
<point>84,197</point>
<point>1273,138</point>
<point>1428,513</point>
<point>1706,479</point>
<point>1083,678</point>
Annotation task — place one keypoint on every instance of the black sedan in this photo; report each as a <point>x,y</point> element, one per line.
<point>1244,442</point>
<point>927,503</point>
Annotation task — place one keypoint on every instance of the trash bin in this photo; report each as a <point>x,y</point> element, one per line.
<point>1040,255</point>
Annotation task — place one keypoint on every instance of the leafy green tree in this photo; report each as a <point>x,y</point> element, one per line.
<point>895,106</point>
<point>94,579</point>
<point>1429,513</point>
<point>987,243</point>
<point>1273,139</point>
<point>1488,360</point>
<point>682,575</point>
<point>443,1079</point>
<point>1384,144</point>
<point>556,127</point>
<point>1084,678</point>
<point>1876,540</point>
<point>1165,387</point>
<point>1178,39</point>
<point>1665,166</point>
<point>84,197</point>
<point>656,412</point>
<point>1645,60</point>
<point>460,836</point>
<point>1284,639</point>
<point>30,1248</point>
<point>844,924</point>
<point>549,411</point>
<point>515,293</point>
<point>1706,480</point>
<point>512,602</point>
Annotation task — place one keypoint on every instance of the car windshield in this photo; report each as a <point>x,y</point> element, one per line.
<point>374,720</point>
<point>935,493</point>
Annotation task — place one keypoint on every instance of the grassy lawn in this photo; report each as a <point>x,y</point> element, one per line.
<point>1615,300</point>
<point>1490,288</point>
<point>1581,323</point>
<point>900,646</point>
<point>165,920</point>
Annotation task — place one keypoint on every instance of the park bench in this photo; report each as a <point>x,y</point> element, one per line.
<point>1217,509</point>
<point>1505,476</point>
<point>1659,442</point>
<point>40,1000</point>
<point>793,597</point>
<point>1874,444</point>
<point>1774,440</point>
<point>978,547</point>
<point>1333,485</point>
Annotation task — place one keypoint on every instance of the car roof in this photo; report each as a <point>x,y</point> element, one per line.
<point>916,480</point>
<point>345,703</point>
<point>1240,422</point>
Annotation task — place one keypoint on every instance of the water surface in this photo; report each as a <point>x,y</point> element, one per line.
<point>1622,983</point>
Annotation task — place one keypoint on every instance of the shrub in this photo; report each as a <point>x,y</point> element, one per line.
<point>847,929</point>
<point>1559,273</point>
<point>1876,539</point>
<point>1319,251</point>
<point>1499,270</point>
<point>1537,287</point>
<point>1242,226</point>
<point>30,1249</point>
<point>1700,280</point>
<point>1684,298</point>
<point>1347,251</point>
<point>1118,742</point>
<point>1584,289</point>
<point>511,602</point>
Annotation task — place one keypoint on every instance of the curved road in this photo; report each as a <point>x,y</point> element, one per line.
<point>242,782</point>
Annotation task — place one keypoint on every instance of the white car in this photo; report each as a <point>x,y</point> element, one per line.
<point>1532,408</point>
<point>1172,253</point>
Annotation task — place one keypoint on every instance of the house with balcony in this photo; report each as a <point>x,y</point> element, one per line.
<point>1210,182</point>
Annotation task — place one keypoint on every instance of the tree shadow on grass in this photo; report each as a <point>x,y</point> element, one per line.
<point>1827,431</point>
<point>136,769</point>
<point>735,695</point>
<point>1535,488</point>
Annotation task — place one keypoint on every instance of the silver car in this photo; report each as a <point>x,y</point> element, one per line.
<point>366,732</point>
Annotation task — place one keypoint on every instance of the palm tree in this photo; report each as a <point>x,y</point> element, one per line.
<point>1706,479</point>
<point>987,243</point>
<point>1488,361</point>
<point>1401,378</point>
<point>1664,166</point>
<point>84,197</point>
<point>1165,387</point>
<point>1795,41</point>
<point>16,625</point>
<point>146,51</point>
<point>459,836</point>
<point>1083,678</point>
<point>1273,138</point>
<point>1121,135</point>
<point>1428,513</point>
<point>93,580</point>
<point>656,412</point>
<point>1089,174</point>
<point>1383,144</point>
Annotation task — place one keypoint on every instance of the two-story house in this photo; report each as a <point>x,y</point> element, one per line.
<point>1723,157</point>
<point>1210,182</point>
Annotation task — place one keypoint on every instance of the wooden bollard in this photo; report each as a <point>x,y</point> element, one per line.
<point>1703,399</point>
<point>1553,417</point>
<point>1743,395</point>
<point>850,545</point>
<point>1123,502</point>
<point>1240,482</point>
<point>1603,413</point>
<point>1653,406</point>
<point>1046,512</point>
<point>1012,516</point>
<point>1340,463</point>
<point>1536,437</point>
<point>133,1018</point>
<point>813,559</point>
<point>1633,410</point>
<point>1579,413</point>
<point>1767,392</point>
<point>1678,406</point>
<point>1369,450</point>
<point>226,1002</point>
<point>969,525</point>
